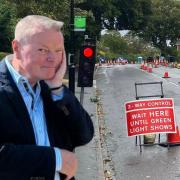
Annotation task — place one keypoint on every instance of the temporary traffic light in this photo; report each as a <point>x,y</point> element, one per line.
<point>86,66</point>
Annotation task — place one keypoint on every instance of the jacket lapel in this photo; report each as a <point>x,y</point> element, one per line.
<point>17,102</point>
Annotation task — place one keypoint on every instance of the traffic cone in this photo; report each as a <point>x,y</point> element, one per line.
<point>156,65</point>
<point>174,137</point>
<point>150,69</point>
<point>166,75</point>
<point>142,66</point>
<point>145,66</point>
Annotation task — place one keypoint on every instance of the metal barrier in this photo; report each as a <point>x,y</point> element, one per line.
<point>161,95</point>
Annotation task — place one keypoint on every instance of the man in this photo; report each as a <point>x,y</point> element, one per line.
<point>41,121</point>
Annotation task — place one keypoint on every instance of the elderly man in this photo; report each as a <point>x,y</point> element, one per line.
<point>41,121</point>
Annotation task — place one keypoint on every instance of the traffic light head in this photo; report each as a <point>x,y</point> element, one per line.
<point>86,66</point>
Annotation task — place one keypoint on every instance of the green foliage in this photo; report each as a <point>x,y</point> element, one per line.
<point>2,55</point>
<point>163,25</point>
<point>55,9</point>
<point>112,40</point>
<point>134,14</point>
<point>154,20</point>
<point>113,45</point>
<point>118,14</point>
<point>6,25</point>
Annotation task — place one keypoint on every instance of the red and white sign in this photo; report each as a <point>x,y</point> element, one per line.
<point>150,116</point>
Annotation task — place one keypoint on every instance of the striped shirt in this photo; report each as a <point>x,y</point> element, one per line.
<point>34,105</point>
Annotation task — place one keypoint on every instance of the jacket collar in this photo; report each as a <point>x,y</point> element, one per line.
<point>10,89</point>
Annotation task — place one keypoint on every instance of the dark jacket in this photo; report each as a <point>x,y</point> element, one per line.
<point>68,124</point>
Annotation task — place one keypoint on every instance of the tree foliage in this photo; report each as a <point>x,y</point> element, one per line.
<point>55,9</point>
<point>155,21</point>
<point>6,25</point>
<point>113,45</point>
<point>163,25</point>
<point>118,14</point>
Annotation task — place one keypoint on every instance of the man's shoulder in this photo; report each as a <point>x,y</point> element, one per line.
<point>3,73</point>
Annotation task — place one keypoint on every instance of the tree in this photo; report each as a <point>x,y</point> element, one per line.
<point>55,9</point>
<point>163,25</point>
<point>118,14</point>
<point>113,45</point>
<point>6,25</point>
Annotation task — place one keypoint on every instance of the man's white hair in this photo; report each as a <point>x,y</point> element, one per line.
<point>31,24</point>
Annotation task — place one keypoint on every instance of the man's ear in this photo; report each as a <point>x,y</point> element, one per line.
<point>16,49</point>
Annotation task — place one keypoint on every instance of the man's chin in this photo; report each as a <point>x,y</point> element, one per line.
<point>49,77</point>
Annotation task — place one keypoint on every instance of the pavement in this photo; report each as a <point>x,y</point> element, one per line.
<point>90,155</point>
<point>90,163</point>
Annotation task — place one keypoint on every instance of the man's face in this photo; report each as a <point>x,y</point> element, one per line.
<point>41,56</point>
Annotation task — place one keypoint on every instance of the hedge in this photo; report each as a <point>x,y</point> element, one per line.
<point>2,55</point>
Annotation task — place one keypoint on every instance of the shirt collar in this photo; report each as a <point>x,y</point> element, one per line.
<point>18,78</point>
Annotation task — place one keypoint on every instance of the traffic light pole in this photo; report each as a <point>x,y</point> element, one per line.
<point>82,95</point>
<point>71,63</point>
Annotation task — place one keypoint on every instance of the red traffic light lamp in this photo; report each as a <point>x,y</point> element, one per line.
<point>88,52</point>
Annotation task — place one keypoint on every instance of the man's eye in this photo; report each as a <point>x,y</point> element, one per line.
<point>43,51</point>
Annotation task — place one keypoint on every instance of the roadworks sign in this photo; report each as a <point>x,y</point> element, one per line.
<point>150,116</point>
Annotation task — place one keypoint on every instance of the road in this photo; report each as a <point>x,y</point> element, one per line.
<point>122,160</point>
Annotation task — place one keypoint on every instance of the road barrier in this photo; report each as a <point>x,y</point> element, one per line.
<point>151,117</point>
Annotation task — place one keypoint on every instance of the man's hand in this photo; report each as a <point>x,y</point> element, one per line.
<point>56,81</point>
<point>69,164</point>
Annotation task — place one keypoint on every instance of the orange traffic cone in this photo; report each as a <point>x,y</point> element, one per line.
<point>166,75</point>
<point>174,137</point>
<point>145,66</point>
<point>150,69</point>
<point>142,66</point>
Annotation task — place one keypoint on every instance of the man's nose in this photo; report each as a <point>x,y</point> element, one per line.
<point>51,56</point>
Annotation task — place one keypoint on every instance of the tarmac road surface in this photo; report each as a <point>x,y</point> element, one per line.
<point>115,85</point>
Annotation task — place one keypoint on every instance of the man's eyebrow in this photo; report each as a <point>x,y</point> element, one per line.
<point>43,45</point>
<point>58,48</point>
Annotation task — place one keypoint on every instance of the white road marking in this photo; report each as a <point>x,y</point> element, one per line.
<point>174,84</point>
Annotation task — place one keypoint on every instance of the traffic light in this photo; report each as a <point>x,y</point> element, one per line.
<point>86,66</point>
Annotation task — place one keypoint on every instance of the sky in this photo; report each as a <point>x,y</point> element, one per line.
<point>122,32</point>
